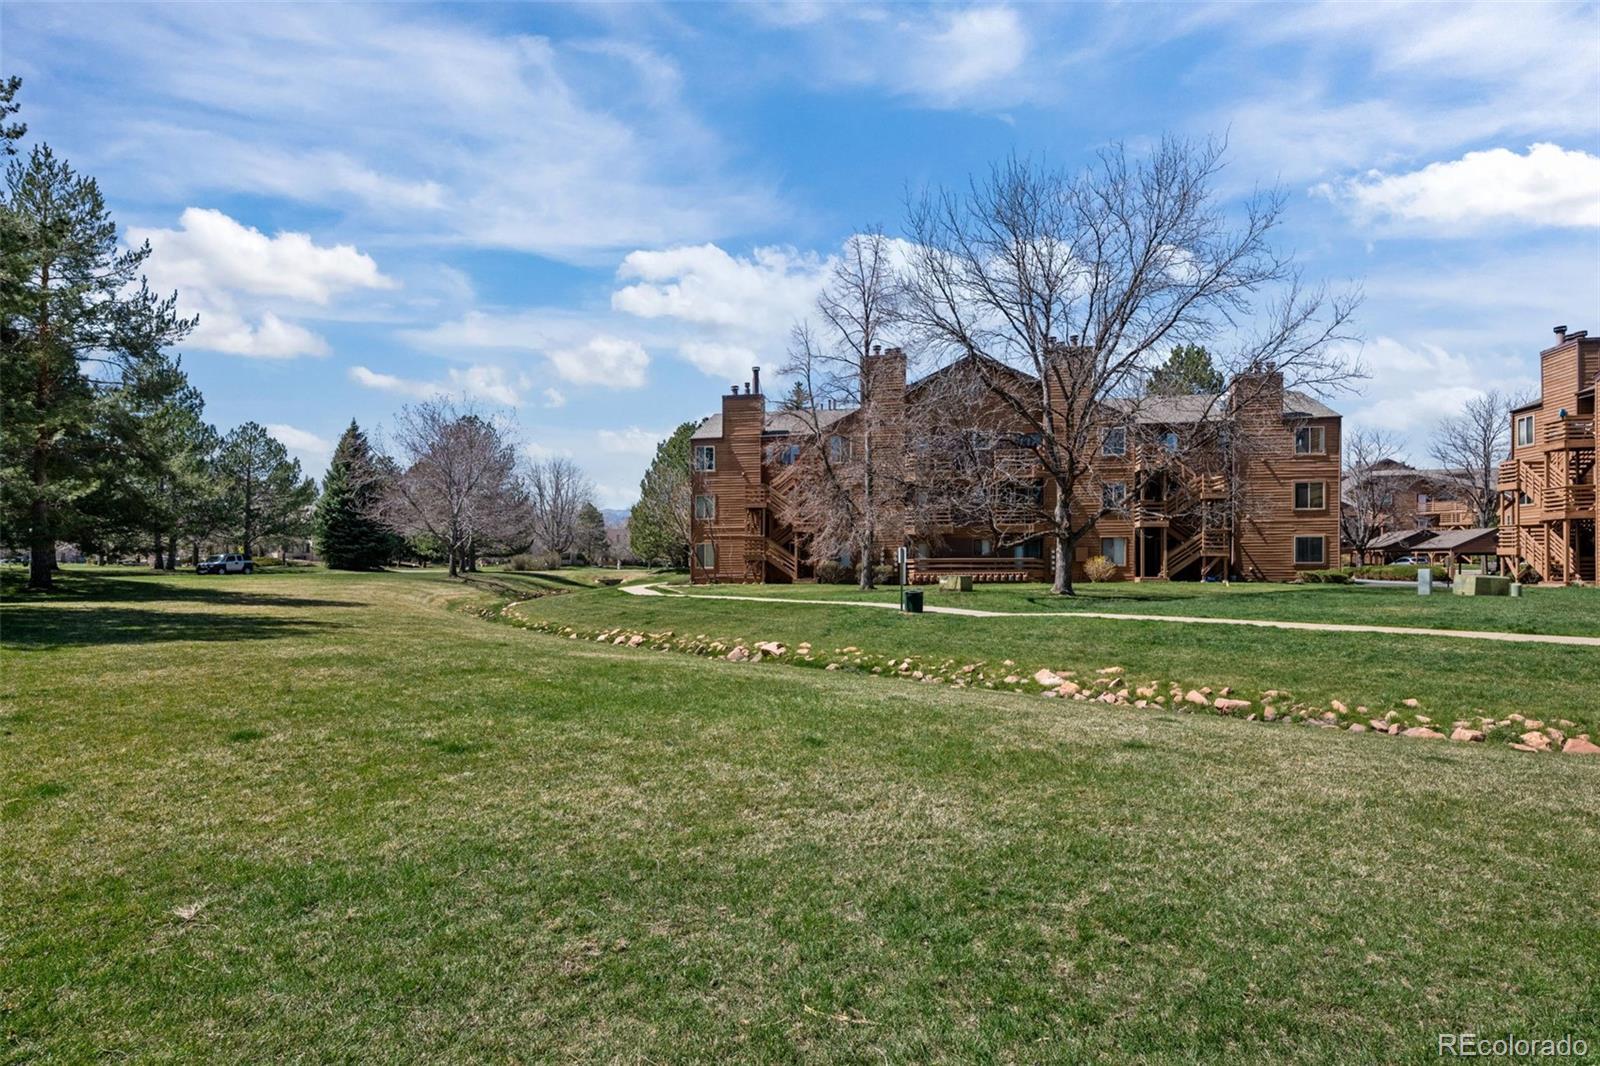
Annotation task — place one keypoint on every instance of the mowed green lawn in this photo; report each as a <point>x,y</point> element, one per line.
<point>323,816</point>
<point>1566,611</point>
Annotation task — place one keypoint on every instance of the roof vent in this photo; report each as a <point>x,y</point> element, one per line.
<point>1560,332</point>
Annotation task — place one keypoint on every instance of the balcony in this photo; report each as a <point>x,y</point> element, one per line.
<point>1570,432</point>
<point>1567,501</point>
<point>1508,476</point>
<point>983,568</point>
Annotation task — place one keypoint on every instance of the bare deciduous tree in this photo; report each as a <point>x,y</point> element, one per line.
<point>1122,261</point>
<point>1472,445</point>
<point>1367,509</point>
<point>557,490</point>
<point>854,500</point>
<point>458,481</point>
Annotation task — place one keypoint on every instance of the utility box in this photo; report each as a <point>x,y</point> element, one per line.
<point>956,583</point>
<point>911,601</point>
<point>1470,584</point>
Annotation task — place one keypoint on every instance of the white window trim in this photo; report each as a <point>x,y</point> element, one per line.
<point>710,451</point>
<point>1121,432</point>
<point>712,565</point>
<point>711,511</point>
<point>1295,549</point>
<point>1113,540</point>
<point>1524,420</point>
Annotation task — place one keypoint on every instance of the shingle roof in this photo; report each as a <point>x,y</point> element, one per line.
<point>1208,406</point>
<point>1401,538</point>
<point>1455,539</point>
<point>777,422</point>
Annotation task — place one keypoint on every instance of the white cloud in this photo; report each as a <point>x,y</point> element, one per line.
<point>238,280</point>
<point>312,451</point>
<point>630,441</point>
<point>1415,384</point>
<point>554,398</point>
<point>488,138</point>
<point>479,381</point>
<point>602,361</point>
<point>1549,186</point>
<point>972,49</point>
<point>534,450</point>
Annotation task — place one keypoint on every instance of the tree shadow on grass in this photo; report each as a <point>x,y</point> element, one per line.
<point>1100,596</point>
<point>44,627</point>
<point>230,590</point>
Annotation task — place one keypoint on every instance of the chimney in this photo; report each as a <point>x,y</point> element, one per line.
<point>755,380</point>
<point>877,349</point>
<point>1072,339</point>
<point>1561,334</point>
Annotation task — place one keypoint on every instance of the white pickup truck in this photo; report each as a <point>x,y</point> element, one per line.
<point>226,564</point>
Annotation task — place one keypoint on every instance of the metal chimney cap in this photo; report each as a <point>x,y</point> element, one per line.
<point>1560,330</point>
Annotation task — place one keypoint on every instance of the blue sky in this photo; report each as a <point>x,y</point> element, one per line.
<point>604,215</point>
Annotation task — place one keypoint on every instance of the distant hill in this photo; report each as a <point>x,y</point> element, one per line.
<point>615,515</point>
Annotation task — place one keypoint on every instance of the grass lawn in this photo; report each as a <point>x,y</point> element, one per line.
<point>325,816</point>
<point>1565,611</point>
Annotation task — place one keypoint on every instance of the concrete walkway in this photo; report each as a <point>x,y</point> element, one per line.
<point>1315,627</point>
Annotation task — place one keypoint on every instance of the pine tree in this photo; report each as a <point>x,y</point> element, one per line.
<point>74,313</point>
<point>591,539</point>
<point>266,496</point>
<point>1188,370</point>
<point>658,526</point>
<point>348,534</point>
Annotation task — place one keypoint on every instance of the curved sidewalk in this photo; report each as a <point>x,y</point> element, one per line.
<point>1317,627</point>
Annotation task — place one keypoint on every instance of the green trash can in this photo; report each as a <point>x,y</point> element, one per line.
<point>911,601</point>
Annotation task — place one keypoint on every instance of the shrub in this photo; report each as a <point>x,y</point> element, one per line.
<point>1527,575</point>
<point>525,561</point>
<point>1099,568</point>
<point>833,572</point>
<point>886,574</point>
<point>1397,573</point>
<point>1324,577</point>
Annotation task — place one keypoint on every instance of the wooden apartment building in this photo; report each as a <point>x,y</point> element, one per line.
<point>1547,487</point>
<point>1267,510</point>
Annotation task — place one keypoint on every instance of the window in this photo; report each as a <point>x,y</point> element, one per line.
<point>1115,441</point>
<point>1310,440</point>
<point>839,449</point>
<point>1115,549</point>
<point>1168,441</point>
<point>705,508</point>
<point>789,454</point>
<point>1525,430</point>
<point>1113,494</point>
<point>1029,549</point>
<point>1027,440</point>
<point>705,456</point>
<point>705,556</point>
<point>1308,496</point>
<point>1308,551</point>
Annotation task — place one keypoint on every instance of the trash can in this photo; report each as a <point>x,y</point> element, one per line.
<point>911,601</point>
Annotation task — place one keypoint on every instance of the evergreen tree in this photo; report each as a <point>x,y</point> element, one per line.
<point>265,493</point>
<point>10,131</point>
<point>75,319</point>
<point>348,533</point>
<point>591,539</point>
<point>658,526</point>
<point>1188,370</point>
<point>798,399</point>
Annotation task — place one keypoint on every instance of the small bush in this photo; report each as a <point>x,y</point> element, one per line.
<point>526,561</point>
<point>1099,568</point>
<point>1527,575</point>
<point>886,574</point>
<point>1324,577</point>
<point>833,572</point>
<point>1397,573</point>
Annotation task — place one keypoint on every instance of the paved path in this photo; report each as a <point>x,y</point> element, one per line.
<point>1317,627</point>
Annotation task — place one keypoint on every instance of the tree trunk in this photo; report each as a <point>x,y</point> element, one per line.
<point>1066,545</point>
<point>41,545</point>
<point>172,552</point>
<point>156,562</point>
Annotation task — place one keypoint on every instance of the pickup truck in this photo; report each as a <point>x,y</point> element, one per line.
<point>226,564</point>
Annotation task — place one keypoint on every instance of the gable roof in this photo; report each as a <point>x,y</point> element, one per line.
<point>777,422</point>
<point>1460,540</point>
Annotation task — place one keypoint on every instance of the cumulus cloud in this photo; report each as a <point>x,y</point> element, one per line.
<point>1547,186</point>
<point>238,280</point>
<point>312,451</point>
<point>482,382</point>
<point>1415,384</point>
<point>554,398</point>
<point>630,441</point>
<point>602,361</point>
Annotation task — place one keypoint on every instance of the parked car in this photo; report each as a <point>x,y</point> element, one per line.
<point>1409,560</point>
<point>226,564</point>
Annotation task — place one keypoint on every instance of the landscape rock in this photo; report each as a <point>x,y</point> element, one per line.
<point>634,642</point>
<point>1068,688</point>
<point>1422,733</point>
<point>1225,705</point>
<point>1048,678</point>
<point>1580,746</point>
<point>1466,736</point>
<point>771,647</point>
<point>1195,697</point>
<point>1411,702</point>
<point>738,654</point>
<point>1536,741</point>
<point>1339,705</point>
<point>1357,727</point>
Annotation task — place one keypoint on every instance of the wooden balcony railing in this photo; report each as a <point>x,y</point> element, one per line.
<point>1507,480</point>
<point>1570,431</point>
<point>980,567</point>
<point>1571,501</point>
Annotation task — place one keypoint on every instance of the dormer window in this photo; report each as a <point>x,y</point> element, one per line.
<point>1310,440</point>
